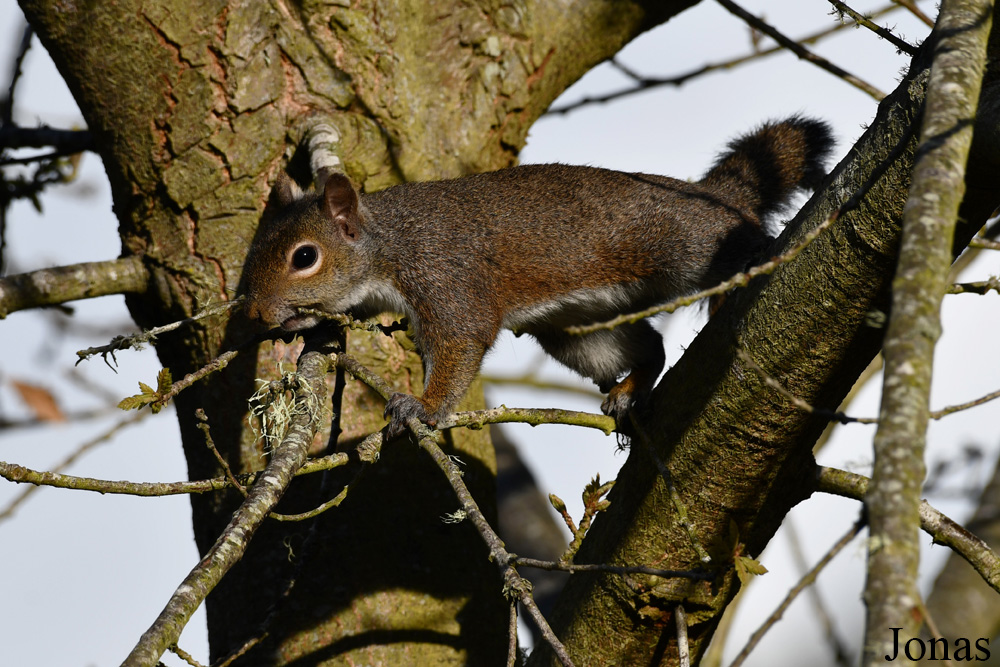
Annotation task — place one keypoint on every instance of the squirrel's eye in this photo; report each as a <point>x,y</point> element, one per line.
<point>304,257</point>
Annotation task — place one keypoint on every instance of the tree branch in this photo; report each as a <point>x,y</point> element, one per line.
<point>807,580</point>
<point>50,287</point>
<point>801,51</point>
<point>866,22</point>
<point>944,530</point>
<point>66,142</point>
<point>232,543</point>
<point>643,83</point>
<point>921,280</point>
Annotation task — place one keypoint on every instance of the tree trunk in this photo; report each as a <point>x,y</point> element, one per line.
<point>740,454</point>
<point>194,107</point>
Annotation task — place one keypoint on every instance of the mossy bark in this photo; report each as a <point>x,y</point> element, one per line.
<point>739,454</point>
<point>194,106</point>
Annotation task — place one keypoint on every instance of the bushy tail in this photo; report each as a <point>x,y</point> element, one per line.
<point>761,170</point>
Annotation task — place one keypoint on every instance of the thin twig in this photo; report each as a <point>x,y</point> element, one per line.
<point>801,51</point>
<point>7,103</point>
<point>242,650</point>
<point>944,531</point>
<point>884,33</point>
<point>512,635</point>
<point>184,655</point>
<point>916,11</point>
<point>986,244</point>
<point>232,543</point>
<point>19,474</point>
<point>203,426</point>
<point>837,647</point>
<point>8,511</point>
<point>213,366</point>
<point>981,287</point>
<point>334,502</point>
<point>531,381</point>
<point>593,503</point>
<point>738,280</point>
<point>840,417</point>
<point>514,586</point>
<point>137,340</point>
<point>797,401</point>
<point>805,581</point>
<point>643,83</point>
<point>675,498</point>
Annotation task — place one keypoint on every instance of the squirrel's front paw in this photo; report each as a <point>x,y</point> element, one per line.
<point>398,411</point>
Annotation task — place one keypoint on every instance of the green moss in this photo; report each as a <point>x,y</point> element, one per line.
<point>193,174</point>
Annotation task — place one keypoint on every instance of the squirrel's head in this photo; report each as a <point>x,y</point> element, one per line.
<point>305,254</point>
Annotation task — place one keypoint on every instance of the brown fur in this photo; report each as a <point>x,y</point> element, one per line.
<point>534,248</point>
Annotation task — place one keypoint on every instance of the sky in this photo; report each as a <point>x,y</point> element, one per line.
<point>95,570</point>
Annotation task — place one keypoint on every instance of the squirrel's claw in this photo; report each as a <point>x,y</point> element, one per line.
<point>399,409</point>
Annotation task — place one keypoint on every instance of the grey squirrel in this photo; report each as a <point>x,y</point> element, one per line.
<point>533,248</point>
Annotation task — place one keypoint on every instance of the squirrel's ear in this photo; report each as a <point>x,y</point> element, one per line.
<point>286,191</point>
<point>342,205</point>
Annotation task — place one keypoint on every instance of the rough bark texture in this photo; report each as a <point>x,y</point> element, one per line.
<point>194,106</point>
<point>893,498</point>
<point>737,451</point>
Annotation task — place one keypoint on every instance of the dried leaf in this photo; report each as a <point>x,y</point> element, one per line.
<point>40,401</point>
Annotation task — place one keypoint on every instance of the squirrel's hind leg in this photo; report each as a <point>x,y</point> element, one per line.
<point>631,350</point>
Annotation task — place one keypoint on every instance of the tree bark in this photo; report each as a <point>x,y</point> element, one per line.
<point>739,454</point>
<point>194,107</point>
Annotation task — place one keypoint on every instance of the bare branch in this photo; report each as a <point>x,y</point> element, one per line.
<point>912,7</point>
<point>66,142</point>
<point>559,566</point>
<point>531,381</point>
<point>137,340</point>
<point>944,531</point>
<point>680,618</point>
<point>51,287</point>
<point>512,636</point>
<point>986,244</point>
<point>925,256</point>
<point>801,51</point>
<point>980,287</point>
<point>21,475</point>
<point>739,280</point>
<point>533,416</point>
<point>840,417</point>
<point>804,582</point>
<point>866,22</point>
<point>8,512</point>
<point>232,543</point>
<point>7,102</point>
<point>514,586</point>
<point>643,83</point>
<point>204,427</point>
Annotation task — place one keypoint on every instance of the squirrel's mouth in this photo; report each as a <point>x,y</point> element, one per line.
<point>299,322</point>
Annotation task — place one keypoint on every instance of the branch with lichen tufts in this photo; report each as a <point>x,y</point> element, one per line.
<point>288,457</point>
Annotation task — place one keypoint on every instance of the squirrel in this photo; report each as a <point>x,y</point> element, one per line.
<point>532,248</point>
